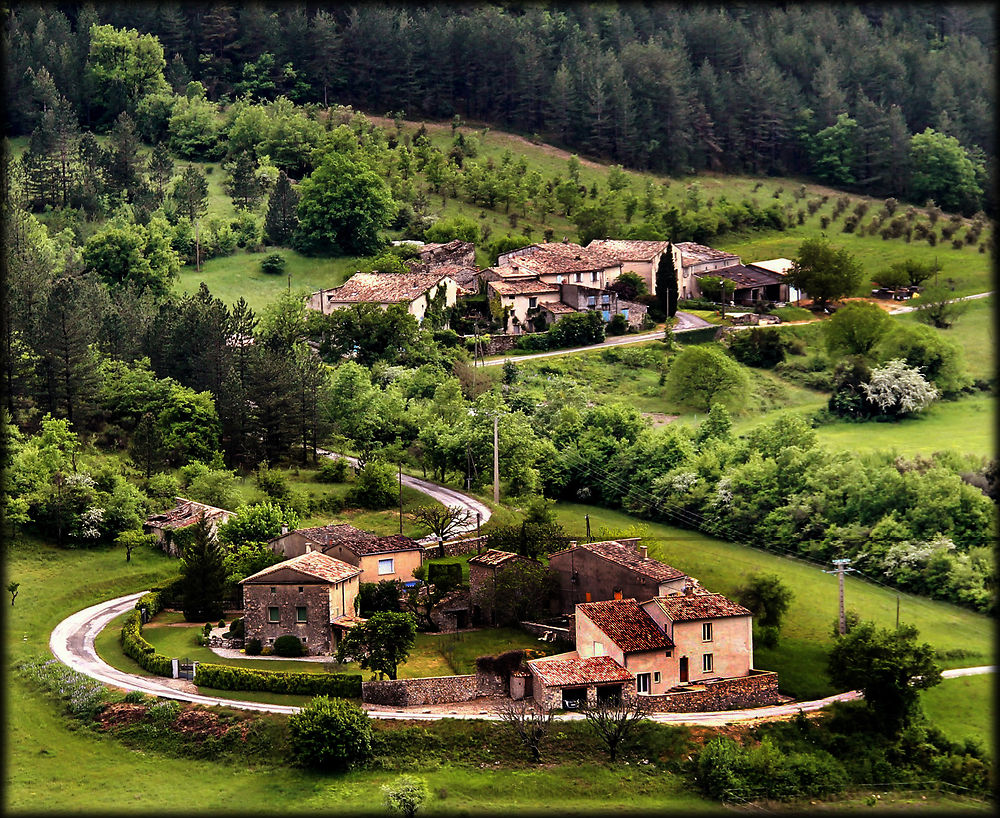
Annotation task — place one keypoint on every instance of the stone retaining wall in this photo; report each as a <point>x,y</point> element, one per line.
<point>758,689</point>
<point>454,548</point>
<point>432,690</point>
<point>563,634</point>
<point>219,642</point>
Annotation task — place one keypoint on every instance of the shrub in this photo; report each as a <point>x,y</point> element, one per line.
<point>618,325</point>
<point>274,264</point>
<point>405,795</point>
<point>273,483</point>
<point>758,347</point>
<point>332,470</point>
<point>330,734</point>
<point>135,697</point>
<point>375,486</point>
<point>251,648</point>
<point>288,646</point>
<point>236,630</point>
<point>444,576</point>
<point>223,677</point>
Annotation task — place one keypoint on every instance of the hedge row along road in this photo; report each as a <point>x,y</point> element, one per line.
<point>72,643</point>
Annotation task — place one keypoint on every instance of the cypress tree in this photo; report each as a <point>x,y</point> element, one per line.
<point>282,218</point>
<point>203,576</point>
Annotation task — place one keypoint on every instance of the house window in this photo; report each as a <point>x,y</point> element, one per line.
<point>706,663</point>
<point>588,596</point>
<point>270,641</point>
<point>300,614</point>
<point>606,315</point>
<point>599,649</point>
<point>618,593</point>
<point>642,683</point>
<point>301,589</point>
<point>274,590</point>
<point>706,632</point>
<point>656,677</point>
<point>669,653</point>
<point>559,279</point>
<point>605,299</point>
<point>593,276</point>
<point>273,615</point>
<point>578,278</point>
<point>385,567</point>
<point>532,302</point>
<point>625,313</point>
<point>591,300</point>
<point>305,639</point>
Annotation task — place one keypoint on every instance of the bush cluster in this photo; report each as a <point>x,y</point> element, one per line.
<point>289,646</point>
<point>222,677</point>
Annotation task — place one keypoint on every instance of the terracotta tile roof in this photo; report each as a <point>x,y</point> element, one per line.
<point>557,307</point>
<point>596,670</point>
<point>774,266</point>
<point>630,558</point>
<point>186,513</point>
<point>507,274</point>
<point>360,542</point>
<point>692,253</point>
<point>700,606</point>
<point>494,557</point>
<point>743,276</point>
<point>559,257</point>
<point>443,253</point>
<point>629,250</point>
<point>626,624</point>
<point>522,287</point>
<point>382,288</point>
<point>347,621</point>
<point>312,563</point>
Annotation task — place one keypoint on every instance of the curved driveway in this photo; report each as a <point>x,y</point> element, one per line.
<point>72,643</point>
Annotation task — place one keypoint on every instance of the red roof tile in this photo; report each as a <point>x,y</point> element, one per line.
<point>522,287</point>
<point>360,542</point>
<point>628,557</point>
<point>692,253</point>
<point>382,288</point>
<point>494,557</point>
<point>629,250</point>
<point>596,670</point>
<point>559,257</point>
<point>626,624</point>
<point>700,606</point>
<point>312,563</point>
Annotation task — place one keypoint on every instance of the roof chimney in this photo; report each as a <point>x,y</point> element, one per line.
<point>643,551</point>
<point>284,529</point>
<point>689,590</point>
<point>572,543</point>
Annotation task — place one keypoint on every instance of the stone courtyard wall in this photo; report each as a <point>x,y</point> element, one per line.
<point>758,689</point>
<point>432,690</point>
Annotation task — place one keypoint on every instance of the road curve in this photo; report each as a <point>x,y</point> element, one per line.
<point>72,643</point>
<point>443,495</point>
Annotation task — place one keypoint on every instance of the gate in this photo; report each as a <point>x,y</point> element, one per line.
<point>185,669</point>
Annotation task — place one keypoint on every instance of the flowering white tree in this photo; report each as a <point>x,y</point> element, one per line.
<point>898,389</point>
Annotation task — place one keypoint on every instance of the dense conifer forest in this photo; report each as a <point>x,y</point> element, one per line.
<point>836,93</point>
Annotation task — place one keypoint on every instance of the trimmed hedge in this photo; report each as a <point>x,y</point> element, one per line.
<point>135,646</point>
<point>222,677</point>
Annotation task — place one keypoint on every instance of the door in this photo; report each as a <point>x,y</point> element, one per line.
<point>684,668</point>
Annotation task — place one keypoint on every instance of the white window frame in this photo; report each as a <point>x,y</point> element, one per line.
<point>392,566</point>
<point>706,631</point>
<point>707,663</point>
<point>642,683</point>
<point>656,677</point>
<point>599,649</point>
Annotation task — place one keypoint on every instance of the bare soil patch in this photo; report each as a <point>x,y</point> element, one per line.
<point>660,419</point>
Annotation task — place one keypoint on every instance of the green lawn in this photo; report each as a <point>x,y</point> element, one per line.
<point>800,657</point>
<point>966,426</point>
<point>975,332</point>
<point>963,708</point>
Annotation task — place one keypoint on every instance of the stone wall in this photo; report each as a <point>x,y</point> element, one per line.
<point>219,642</point>
<point>454,548</point>
<point>563,634</point>
<point>757,689</point>
<point>432,690</point>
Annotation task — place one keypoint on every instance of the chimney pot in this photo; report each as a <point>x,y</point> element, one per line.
<point>572,543</point>
<point>284,530</point>
<point>643,551</point>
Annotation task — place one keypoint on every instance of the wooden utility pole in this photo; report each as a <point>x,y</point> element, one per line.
<point>587,518</point>
<point>400,498</point>
<point>841,569</point>
<point>897,611</point>
<point>496,459</point>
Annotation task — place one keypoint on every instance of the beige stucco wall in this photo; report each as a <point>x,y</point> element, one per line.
<point>418,307</point>
<point>404,563</point>
<point>652,661</point>
<point>646,270</point>
<point>604,277</point>
<point>587,633</point>
<point>342,596</point>
<point>520,304</point>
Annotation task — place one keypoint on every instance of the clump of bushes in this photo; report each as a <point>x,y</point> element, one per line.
<point>332,470</point>
<point>252,647</point>
<point>273,264</point>
<point>223,677</point>
<point>288,646</point>
<point>330,734</point>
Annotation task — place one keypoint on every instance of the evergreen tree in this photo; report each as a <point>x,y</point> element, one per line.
<point>146,448</point>
<point>125,164</point>
<point>282,216</point>
<point>190,192</point>
<point>161,169</point>
<point>203,576</point>
<point>243,185</point>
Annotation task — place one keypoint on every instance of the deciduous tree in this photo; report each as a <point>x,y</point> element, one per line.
<point>381,644</point>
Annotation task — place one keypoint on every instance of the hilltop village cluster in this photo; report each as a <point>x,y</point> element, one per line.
<point>539,284</point>
<point>636,625</point>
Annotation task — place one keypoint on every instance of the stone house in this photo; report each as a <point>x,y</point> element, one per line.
<point>563,262</point>
<point>394,557</point>
<point>779,267</point>
<point>523,298</point>
<point>640,257</point>
<point>483,571</point>
<point>416,291</point>
<point>750,285</point>
<point>183,515</point>
<point>613,569</point>
<point>455,252</point>
<point>681,643</point>
<point>692,260</point>
<point>310,596</point>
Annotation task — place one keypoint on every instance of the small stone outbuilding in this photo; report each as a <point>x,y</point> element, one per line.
<point>183,515</point>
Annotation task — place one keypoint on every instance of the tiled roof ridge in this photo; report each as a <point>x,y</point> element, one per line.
<point>627,624</point>
<point>328,568</point>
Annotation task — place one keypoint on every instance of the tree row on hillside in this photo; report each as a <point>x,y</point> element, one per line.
<point>835,93</point>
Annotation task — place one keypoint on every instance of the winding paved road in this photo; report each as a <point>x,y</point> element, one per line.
<point>72,643</point>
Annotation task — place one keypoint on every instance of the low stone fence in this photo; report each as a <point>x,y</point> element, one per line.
<point>548,631</point>
<point>432,690</point>
<point>757,689</point>
<point>219,642</point>
<point>454,548</point>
